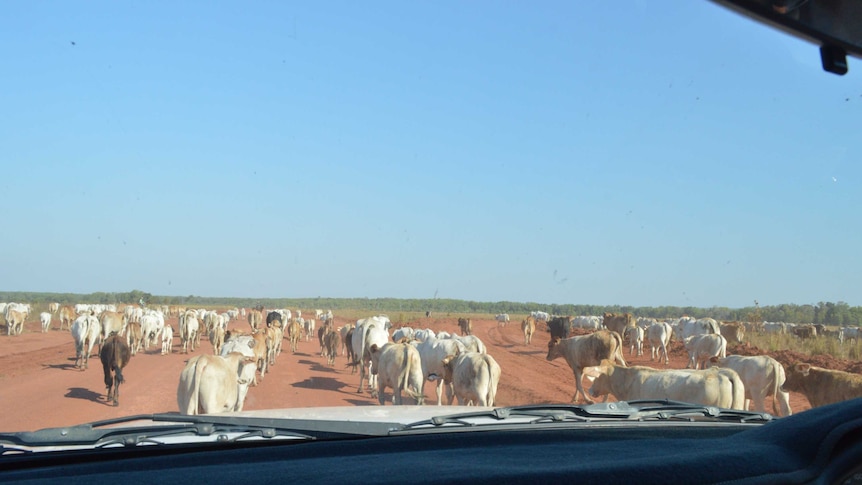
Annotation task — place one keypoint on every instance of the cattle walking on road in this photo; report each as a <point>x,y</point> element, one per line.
<point>466,325</point>
<point>115,355</point>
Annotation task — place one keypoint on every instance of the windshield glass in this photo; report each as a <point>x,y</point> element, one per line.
<point>211,163</point>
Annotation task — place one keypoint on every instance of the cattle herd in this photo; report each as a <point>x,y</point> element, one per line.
<point>458,364</point>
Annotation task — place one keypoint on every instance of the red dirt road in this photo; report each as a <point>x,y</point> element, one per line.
<point>42,388</point>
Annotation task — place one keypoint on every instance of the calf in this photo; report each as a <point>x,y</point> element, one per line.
<point>586,350</point>
<point>822,386</point>
<point>115,354</point>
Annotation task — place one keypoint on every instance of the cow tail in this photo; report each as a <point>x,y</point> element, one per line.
<point>619,351</point>
<point>117,360</point>
<point>738,393</point>
<point>775,388</point>
<point>491,394</point>
<point>194,399</point>
<point>404,378</point>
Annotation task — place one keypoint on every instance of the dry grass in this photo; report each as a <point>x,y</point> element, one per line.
<point>814,346</point>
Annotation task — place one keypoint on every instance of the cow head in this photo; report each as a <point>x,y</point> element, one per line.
<point>553,348</point>
<point>796,377</point>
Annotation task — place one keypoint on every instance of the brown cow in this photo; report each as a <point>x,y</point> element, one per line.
<point>115,354</point>
<point>587,350</point>
<point>15,322</point>
<point>67,316</point>
<point>331,342</point>
<point>134,337</point>
<point>254,319</point>
<point>528,326</point>
<point>466,325</point>
<point>822,386</point>
<point>805,331</point>
<point>618,322</point>
<point>733,332</point>
<point>293,332</point>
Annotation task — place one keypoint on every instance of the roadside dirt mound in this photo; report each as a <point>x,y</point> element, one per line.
<point>788,358</point>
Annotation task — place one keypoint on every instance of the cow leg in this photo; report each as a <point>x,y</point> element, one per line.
<point>580,388</point>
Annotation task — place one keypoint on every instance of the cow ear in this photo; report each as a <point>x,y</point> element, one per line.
<point>448,359</point>
<point>803,368</point>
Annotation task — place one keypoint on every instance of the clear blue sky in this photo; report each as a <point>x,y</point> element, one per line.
<point>558,152</point>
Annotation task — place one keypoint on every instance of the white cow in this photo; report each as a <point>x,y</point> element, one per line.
<point>85,330</point>
<point>242,343</point>
<point>214,384</point>
<point>424,334</point>
<point>502,319</point>
<point>45,319</point>
<point>403,332</point>
<point>474,377</point>
<point>308,328</point>
<point>659,335</point>
<point>167,339</point>
<point>635,337</point>
<point>432,351</point>
<point>710,387</point>
<point>589,322</point>
<point>368,331</point>
<point>763,377</point>
<point>189,333</point>
<point>152,323</point>
<point>701,347</point>
<point>398,366</point>
<point>471,343</point>
<point>540,316</point>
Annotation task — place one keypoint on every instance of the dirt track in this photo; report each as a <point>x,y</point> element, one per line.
<point>42,388</point>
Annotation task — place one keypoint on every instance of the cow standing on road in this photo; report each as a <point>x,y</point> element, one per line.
<point>115,355</point>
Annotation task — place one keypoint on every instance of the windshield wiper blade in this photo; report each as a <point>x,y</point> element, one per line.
<point>666,410</point>
<point>200,429</point>
<point>640,410</point>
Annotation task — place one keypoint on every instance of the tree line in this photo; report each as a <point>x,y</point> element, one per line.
<point>827,313</point>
